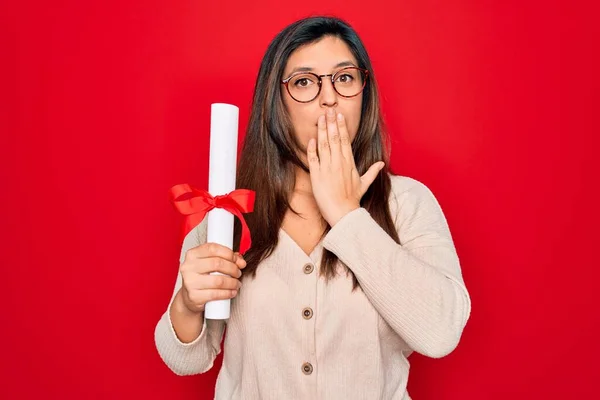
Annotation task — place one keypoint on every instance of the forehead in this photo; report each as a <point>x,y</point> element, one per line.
<point>321,56</point>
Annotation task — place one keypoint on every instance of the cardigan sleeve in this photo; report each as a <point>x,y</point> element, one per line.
<point>417,285</point>
<point>197,356</point>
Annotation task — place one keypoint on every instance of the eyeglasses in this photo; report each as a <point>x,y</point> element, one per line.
<point>304,87</point>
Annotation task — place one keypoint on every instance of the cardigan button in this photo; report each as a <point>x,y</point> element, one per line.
<point>307,368</point>
<point>307,313</point>
<point>308,268</point>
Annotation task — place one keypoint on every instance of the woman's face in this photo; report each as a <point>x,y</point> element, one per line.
<point>327,56</point>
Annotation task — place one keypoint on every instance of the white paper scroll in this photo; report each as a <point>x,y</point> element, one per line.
<point>221,180</point>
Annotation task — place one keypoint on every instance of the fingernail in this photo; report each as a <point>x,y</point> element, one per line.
<point>321,119</point>
<point>233,293</point>
<point>340,116</point>
<point>330,112</point>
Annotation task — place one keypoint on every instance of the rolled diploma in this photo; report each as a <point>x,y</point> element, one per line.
<point>221,180</point>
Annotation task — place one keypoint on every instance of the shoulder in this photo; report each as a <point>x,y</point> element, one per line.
<point>413,203</point>
<point>194,238</point>
<point>404,188</point>
<point>402,183</point>
<point>198,234</point>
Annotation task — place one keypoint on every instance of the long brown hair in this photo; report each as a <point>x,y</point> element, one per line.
<point>270,151</point>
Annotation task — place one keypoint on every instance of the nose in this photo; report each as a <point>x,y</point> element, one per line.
<point>328,96</point>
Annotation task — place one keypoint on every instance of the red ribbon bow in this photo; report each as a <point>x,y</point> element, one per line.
<point>195,204</point>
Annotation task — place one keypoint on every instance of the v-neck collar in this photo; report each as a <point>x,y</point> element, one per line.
<point>314,254</point>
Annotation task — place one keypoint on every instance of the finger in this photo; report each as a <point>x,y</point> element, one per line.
<point>346,149</point>
<point>323,142</point>
<point>210,250</point>
<point>239,260</point>
<point>333,136</point>
<point>311,155</point>
<point>201,297</point>
<point>346,144</point>
<point>217,282</point>
<point>367,179</point>
<point>215,264</point>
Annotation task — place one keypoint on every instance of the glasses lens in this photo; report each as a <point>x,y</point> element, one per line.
<point>304,87</point>
<point>349,81</point>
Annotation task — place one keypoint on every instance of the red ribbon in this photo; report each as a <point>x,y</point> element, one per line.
<point>195,204</point>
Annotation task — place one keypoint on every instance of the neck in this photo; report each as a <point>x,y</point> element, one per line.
<point>302,199</point>
<point>303,185</point>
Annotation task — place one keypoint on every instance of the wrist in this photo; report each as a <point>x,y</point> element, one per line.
<point>341,212</point>
<point>181,307</point>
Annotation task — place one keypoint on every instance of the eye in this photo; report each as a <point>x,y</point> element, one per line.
<point>302,82</point>
<point>345,78</point>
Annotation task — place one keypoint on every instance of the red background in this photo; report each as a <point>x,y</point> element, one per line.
<point>105,105</point>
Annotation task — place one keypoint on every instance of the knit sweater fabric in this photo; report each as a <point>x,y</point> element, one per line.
<point>293,335</point>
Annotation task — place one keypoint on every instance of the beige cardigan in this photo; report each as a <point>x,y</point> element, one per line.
<point>293,336</point>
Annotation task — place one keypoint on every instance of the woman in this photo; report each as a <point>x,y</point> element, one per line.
<point>351,268</point>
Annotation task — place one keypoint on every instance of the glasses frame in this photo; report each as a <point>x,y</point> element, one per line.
<point>286,81</point>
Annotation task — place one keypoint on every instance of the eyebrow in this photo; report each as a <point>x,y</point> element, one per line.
<point>309,69</point>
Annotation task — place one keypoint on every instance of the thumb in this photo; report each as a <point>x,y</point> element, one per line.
<point>367,179</point>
